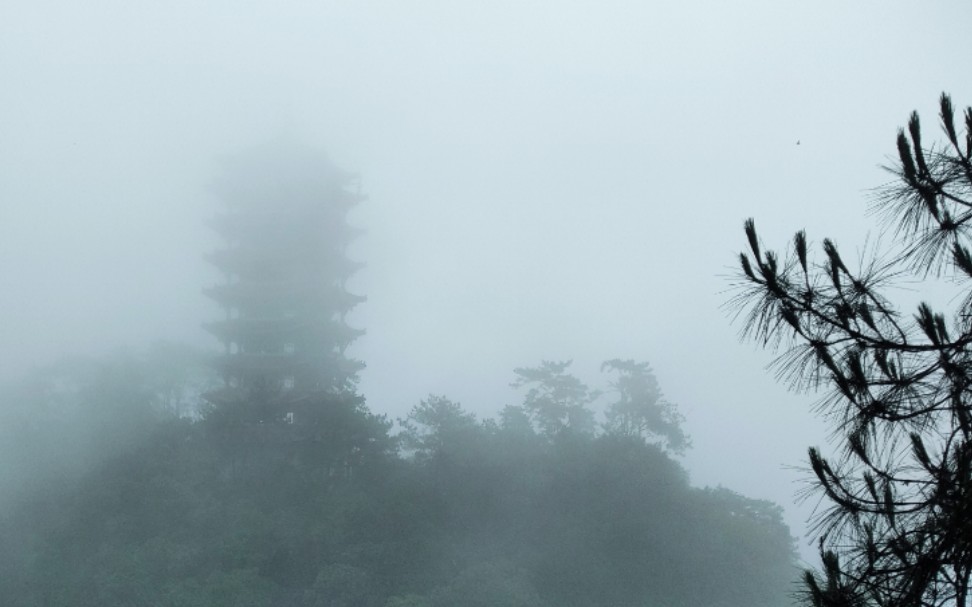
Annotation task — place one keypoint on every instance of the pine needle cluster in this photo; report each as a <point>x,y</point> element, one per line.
<point>896,385</point>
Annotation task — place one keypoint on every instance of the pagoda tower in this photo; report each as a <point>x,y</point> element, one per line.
<point>284,271</point>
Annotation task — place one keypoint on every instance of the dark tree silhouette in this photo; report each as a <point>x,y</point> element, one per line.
<point>898,526</point>
<point>556,401</point>
<point>640,409</point>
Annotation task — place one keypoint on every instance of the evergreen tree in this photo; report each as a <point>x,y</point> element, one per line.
<point>898,529</point>
<point>557,402</point>
<point>640,408</point>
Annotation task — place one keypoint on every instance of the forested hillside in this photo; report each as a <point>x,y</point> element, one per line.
<point>116,493</point>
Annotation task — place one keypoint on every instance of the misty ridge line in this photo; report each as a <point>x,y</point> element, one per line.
<point>260,475</point>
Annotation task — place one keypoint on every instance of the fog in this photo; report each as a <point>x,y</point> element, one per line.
<point>544,180</point>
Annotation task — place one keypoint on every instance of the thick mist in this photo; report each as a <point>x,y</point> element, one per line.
<point>543,181</point>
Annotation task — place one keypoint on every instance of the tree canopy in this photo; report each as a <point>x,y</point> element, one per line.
<point>335,509</point>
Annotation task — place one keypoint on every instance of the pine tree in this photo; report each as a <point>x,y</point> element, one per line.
<point>898,526</point>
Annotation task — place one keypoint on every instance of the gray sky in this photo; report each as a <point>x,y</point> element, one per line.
<point>544,179</point>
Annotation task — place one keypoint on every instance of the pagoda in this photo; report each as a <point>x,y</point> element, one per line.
<point>284,269</point>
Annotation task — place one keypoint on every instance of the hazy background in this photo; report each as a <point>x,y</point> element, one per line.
<point>545,179</point>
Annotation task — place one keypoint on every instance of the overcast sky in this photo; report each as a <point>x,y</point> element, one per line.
<point>545,180</point>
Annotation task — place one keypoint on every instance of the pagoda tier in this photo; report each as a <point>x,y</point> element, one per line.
<point>283,373</point>
<point>272,334</point>
<point>290,261</point>
<point>272,364</point>
<point>266,224</point>
<point>257,295</point>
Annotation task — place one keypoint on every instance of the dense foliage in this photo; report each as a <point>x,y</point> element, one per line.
<point>136,505</point>
<point>898,529</point>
